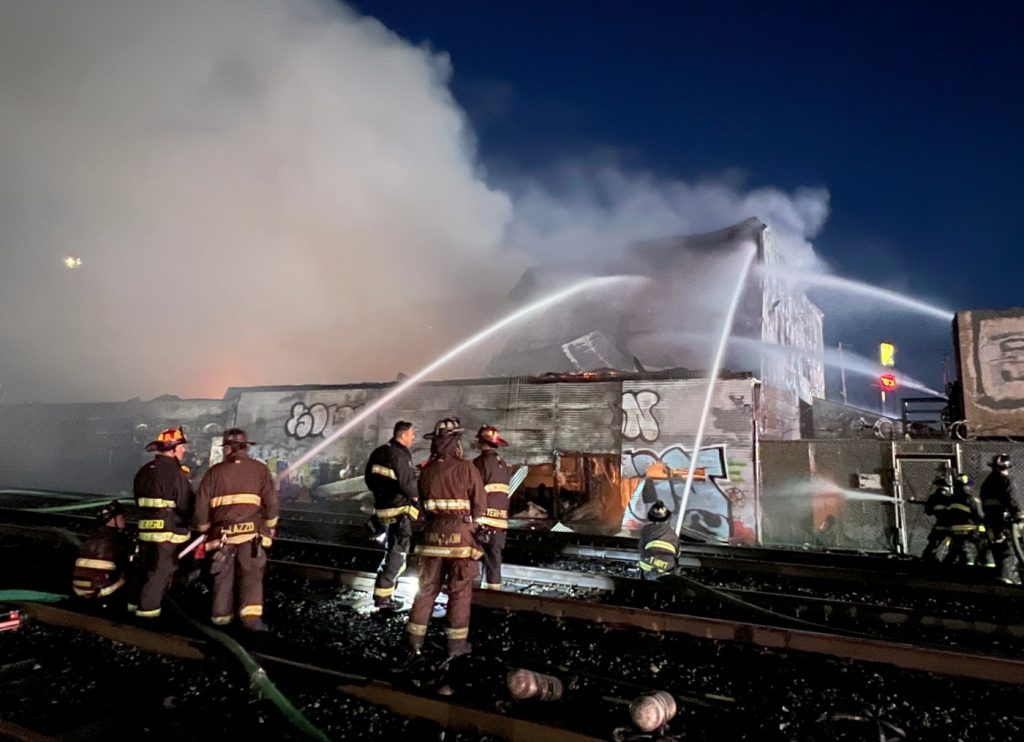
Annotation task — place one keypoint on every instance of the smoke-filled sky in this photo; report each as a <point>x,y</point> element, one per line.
<point>302,192</point>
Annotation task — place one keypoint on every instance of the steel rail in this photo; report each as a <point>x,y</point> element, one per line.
<point>907,656</point>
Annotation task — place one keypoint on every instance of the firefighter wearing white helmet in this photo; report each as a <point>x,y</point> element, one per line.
<point>659,544</point>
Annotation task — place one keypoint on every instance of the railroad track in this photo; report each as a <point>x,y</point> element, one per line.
<point>448,714</point>
<point>547,628</point>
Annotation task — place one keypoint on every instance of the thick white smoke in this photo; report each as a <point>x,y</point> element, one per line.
<point>259,193</point>
<point>582,211</point>
<point>267,193</point>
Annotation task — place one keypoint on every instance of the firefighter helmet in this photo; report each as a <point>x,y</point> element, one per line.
<point>659,512</point>
<point>490,435</point>
<point>942,484</point>
<point>168,440</point>
<point>442,428</point>
<point>1001,462</point>
<point>236,438</point>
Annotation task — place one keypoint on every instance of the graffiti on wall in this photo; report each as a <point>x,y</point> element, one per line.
<point>310,421</point>
<point>655,468</point>
<point>638,420</point>
<point>661,475</point>
<point>999,359</point>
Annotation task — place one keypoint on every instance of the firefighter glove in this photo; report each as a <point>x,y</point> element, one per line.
<point>483,534</point>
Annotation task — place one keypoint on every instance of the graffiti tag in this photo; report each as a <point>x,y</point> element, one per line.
<point>638,419</point>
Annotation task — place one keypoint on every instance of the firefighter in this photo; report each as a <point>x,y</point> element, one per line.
<point>237,510</point>
<point>453,498</point>
<point>103,558</point>
<point>391,477</point>
<point>957,523</point>
<point>659,544</point>
<point>165,500</point>
<point>999,504</point>
<point>495,474</point>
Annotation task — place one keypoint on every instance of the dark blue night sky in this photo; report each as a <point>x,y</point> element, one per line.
<point>911,114</point>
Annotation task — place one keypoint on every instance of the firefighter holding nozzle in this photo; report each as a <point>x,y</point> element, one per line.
<point>659,544</point>
<point>1003,516</point>
<point>953,539</point>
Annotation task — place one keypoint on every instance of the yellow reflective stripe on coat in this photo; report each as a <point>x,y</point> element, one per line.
<point>449,552</point>
<point>493,522</point>
<point>155,502</point>
<point>271,522</point>
<point>658,545</point>
<point>496,487</point>
<point>447,505</point>
<point>960,506</point>
<point>388,516</point>
<point>244,498</point>
<point>95,564</point>
<point>159,537</point>
<point>383,471</point>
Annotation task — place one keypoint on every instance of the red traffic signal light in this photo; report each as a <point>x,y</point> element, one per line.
<point>888,382</point>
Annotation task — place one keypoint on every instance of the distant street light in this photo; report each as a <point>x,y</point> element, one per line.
<point>71,263</point>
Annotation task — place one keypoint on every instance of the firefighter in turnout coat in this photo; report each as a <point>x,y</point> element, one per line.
<point>165,500</point>
<point>391,477</point>
<point>957,524</point>
<point>237,510</point>
<point>659,544</point>
<point>999,504</point>
<point>496,474</point>
<point>102,560</point>
<point>452,495</point>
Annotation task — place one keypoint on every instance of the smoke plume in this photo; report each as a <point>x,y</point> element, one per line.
<point>274,193</point>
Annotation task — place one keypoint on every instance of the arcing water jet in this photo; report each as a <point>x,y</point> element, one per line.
<point>549,301</point>
<point>825,280</point>
<point>716,365</point>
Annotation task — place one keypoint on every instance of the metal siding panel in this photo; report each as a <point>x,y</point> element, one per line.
<point>588,417</point>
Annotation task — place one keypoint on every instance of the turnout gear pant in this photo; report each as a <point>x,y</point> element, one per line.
<point>157,564</point>
<point>238,571</point>
<point>398,543</point>
<point>1006,560</point>
<point>460,574</point>
<point>491,579</point>
<point>951,548</point>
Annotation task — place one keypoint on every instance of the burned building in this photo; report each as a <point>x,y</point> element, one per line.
<point>777,333</point>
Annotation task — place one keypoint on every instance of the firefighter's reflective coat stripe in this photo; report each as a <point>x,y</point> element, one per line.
<point>496,487</point>
<point>384,471</point>
<point>449,552</point>
<point>237,502</point>
<point>391,477</point>
<point>387,516</point>
<point>242,498</point>
<point>164,496</point>
<point>447,506</point>
<point>486,520</point>
<point>84,589</point>
<point>154,502</point>
<point>657,545</point>
<point>159,537</point>
<point>95,564</point>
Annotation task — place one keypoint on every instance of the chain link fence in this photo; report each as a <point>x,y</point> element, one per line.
<point>843,493</point>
